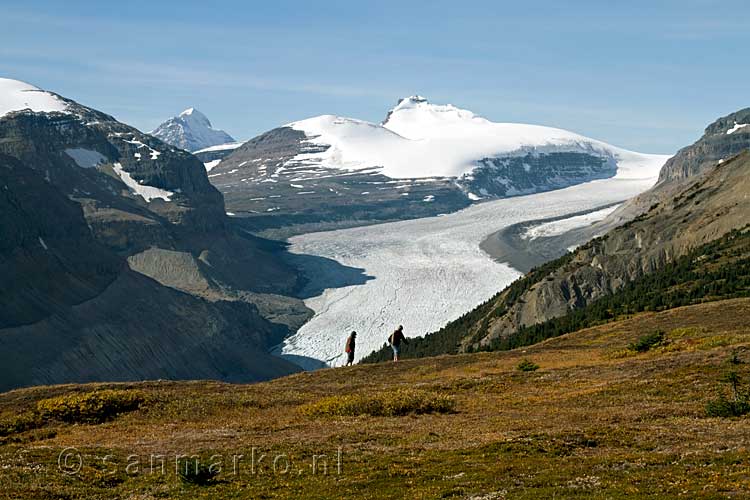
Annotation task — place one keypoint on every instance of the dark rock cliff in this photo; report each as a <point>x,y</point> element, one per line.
<point>71,310</point>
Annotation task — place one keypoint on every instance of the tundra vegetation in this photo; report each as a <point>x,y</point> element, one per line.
<point>597,420</point>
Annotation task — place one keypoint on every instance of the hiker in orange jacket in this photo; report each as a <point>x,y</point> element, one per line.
<point>395,340</point>
<point>350,346</point>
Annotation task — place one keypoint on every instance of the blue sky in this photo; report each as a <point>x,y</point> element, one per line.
<point>643,75</point>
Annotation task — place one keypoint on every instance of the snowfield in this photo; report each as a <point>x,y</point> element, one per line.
<point>16,96</point>
<point>145,191</point>
<point>419,139</point>
<point>221,147</point>
<point>425,272</point>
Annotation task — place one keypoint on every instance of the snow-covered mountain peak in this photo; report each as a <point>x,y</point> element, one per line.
<point>420,139</point>
<point>410,102</point>
<point>415,117</point>
<point>191,130</point>
<point>195,117</point>
<point>16,95</point>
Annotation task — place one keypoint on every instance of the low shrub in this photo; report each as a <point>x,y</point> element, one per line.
<point>739,404</point>
<point>527,366</point>
<point>647,342</point>
<point>192,471</point>
<point>90,407</point>
<point>388,404</point>
<point>724,407</point>
<point>20,423</point>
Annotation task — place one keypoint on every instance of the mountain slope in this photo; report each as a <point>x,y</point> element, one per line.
<point>148,207</point>
<point>709,208</point>
<point>138,193</point>
<point>71,310</point>
<point>703,210</point>
<point>423,159</point>
<point>191,131</point>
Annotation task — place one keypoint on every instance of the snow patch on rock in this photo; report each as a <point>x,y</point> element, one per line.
<point>211,164</point>
<point>737,126</point>
<point>147,192</point>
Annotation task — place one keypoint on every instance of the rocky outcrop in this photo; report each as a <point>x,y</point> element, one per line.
<point>49,259</point>
<point>723,139</point>
<point>54,144</point>
<point>139,194</point>
<point>535,173</point>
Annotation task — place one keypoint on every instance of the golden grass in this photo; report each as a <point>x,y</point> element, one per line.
<point>587,424</point>
<point>395,403</point>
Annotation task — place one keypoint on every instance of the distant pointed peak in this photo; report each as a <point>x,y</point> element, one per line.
<point>190,112</point>
<point>191,130</point>
<point>192,115</point>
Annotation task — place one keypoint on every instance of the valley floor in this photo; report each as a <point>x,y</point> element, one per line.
<point>595,421</point>
<point>420,273</point>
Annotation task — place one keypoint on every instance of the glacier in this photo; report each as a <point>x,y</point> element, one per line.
<point>423,273</point>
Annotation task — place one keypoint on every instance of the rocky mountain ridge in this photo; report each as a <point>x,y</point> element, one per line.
<point>724,138</point>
